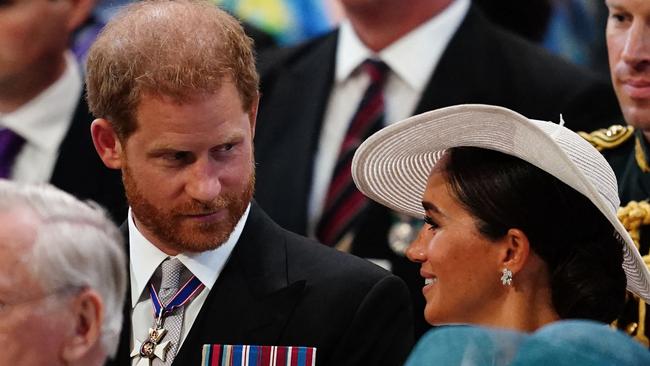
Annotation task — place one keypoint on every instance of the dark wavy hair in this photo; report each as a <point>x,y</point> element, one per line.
<point>582,250</point>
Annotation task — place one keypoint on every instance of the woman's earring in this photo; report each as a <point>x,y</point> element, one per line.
<point>506,277</point>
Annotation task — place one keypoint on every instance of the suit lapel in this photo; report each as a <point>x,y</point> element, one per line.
<point>291,116</point>
<point>459,78</point>
<point>252,299</point>
<point>123,355</point>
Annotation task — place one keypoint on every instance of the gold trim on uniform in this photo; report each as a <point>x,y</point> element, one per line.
<point>633,216</point>
<point>639,156</point>
<point>608,138</point>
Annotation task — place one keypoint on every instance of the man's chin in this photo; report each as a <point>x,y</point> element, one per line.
<point>199,240</point>
<point>638,117</point>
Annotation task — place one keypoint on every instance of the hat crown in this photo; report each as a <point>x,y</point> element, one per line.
<point>393,165</point>
<point>589,162</point>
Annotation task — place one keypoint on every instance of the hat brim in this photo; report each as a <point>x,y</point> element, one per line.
<point>393,165</point>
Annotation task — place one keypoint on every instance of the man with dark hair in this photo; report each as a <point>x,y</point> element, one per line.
<point>174,88</point>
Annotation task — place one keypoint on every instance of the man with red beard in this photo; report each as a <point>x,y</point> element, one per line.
<point>627,148</point>
<point>174,89</point>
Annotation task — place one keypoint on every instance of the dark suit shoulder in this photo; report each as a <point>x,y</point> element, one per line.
<point>354,311</point>
<point>328,263</point>
<point>368,308</point>
<point>524,53</point>
<point>272,61</point>
<point>507,70</point>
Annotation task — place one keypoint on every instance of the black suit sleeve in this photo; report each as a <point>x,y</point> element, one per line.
<point>381,332</point>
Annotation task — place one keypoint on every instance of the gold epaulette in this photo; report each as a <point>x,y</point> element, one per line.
<point>608,138</point>
<point>633,216</point>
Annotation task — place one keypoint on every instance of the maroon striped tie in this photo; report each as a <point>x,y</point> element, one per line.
<point>344,204</point>
<point>10,145</point>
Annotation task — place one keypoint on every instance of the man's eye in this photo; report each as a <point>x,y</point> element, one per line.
<point>618,17</point>
<point>177,156</point>
<point>226,147</point>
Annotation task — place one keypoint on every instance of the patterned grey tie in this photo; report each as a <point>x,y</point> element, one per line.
<point>171,269</point>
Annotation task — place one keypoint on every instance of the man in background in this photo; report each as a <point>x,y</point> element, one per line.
<point>62,279</point>
<point>627,148</point>
<point>386,62</point>
<point>44,119</point>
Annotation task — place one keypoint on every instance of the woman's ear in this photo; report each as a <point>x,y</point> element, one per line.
<point>88,315</point>
<point>516,250</point>
<point>107,144</point>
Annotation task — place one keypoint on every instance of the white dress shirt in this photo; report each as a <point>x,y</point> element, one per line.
<point>411,60</point>
<point>145,259</point>
<point>43,122</point>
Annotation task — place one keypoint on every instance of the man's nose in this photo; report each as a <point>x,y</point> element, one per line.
<point>637,44</point>
<point>415,251</point>
<point>204,183</point>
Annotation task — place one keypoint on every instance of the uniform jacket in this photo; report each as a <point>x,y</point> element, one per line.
<point>627,151</point>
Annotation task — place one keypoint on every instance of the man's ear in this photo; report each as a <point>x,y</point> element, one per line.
<point>88,315</point>
<point>252,113</point>
<point>79,11</point>
<point>107,144</point>
<point>516,250</point>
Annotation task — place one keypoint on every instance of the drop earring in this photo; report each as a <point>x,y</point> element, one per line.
<point>506,277</point>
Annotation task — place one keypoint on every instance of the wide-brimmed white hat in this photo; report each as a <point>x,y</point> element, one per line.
<point>393,165</point>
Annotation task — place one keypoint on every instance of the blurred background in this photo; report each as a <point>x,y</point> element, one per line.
<point>573,29</point>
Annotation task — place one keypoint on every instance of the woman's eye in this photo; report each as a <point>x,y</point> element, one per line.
<point>429,221</point>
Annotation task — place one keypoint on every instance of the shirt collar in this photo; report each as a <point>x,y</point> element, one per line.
<point>44,120</point>
<point>206,266</point>
<point>424,47</point>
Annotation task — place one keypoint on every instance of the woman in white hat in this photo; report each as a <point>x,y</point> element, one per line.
<point>520,217</point>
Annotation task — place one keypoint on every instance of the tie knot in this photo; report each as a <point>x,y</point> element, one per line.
<point>376,69</point>
<point>171,269</point>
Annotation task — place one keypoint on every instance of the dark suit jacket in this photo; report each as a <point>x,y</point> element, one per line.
<point>279,288</point>
<point>482,64</point>
<point>80,171</point>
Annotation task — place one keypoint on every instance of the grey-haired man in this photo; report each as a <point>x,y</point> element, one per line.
<point>62,278</point>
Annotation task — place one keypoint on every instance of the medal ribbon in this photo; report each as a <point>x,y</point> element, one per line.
<point>192,287</point>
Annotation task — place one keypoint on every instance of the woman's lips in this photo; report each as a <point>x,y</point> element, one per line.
<point>429,280</point>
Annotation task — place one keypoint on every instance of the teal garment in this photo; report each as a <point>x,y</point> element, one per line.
<point>562,343</point>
